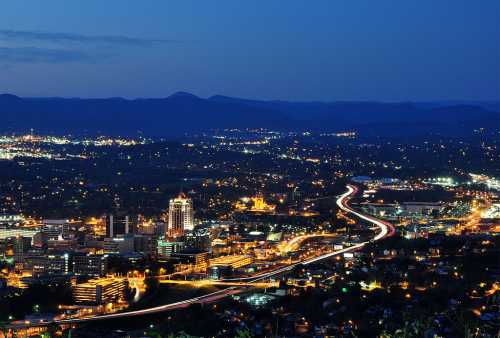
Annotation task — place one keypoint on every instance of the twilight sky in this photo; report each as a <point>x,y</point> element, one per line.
<point>387,50</point>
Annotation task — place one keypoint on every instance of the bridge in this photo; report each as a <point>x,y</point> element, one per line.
<point>208,282</point>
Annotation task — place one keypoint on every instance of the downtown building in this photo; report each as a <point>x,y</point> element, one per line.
<point>180,216</point>
<point>90,265</point>
<point>100,291</point>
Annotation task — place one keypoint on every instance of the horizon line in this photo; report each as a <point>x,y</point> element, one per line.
<point>189,94</point>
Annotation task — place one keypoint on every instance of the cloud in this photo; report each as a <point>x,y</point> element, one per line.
<point>13,35</point>
<point>45,55</point>
<point>57,47</point>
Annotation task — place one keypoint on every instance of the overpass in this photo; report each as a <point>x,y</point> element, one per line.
<point>295,243</point>
<point>208,282</point>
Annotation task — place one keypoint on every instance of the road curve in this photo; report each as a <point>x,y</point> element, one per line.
<point>386,230</point>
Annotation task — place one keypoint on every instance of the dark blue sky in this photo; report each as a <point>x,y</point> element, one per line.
<point>269,49</point>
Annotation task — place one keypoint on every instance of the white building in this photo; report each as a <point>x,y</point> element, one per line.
<point>180,216</point>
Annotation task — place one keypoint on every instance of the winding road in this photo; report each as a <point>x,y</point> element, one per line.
<point>386,230</point>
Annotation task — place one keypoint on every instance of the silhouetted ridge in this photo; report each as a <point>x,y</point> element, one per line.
<point>183,112</point>
<point>183,95</point>
<point>9,97</point>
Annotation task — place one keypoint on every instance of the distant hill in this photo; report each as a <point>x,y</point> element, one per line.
<point>186,113</point>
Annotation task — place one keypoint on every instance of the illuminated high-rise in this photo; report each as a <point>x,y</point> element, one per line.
<point>180,216</point>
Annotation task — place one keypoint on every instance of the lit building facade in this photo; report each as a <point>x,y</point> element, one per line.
<point>180,216</point>
<point>258,205</point>
<point>233,261</point>
<point>166,248</point>
<point>100,291</point>
<point>224,266</point>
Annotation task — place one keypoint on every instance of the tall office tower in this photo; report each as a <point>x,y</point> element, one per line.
<point>21,246</point>
<point>118,224</point>
<point>180,216</point>
<point>198,241</point>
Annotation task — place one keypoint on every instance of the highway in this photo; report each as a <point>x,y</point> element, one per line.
<point>297,242</point>
<point>208,298</point>
<point>386,230</point>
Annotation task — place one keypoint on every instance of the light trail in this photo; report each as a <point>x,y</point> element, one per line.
<point>386,230</point>
<point>177,305</point>
<point>296,242</point>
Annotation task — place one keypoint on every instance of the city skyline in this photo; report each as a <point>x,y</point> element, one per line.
<point>232,169</point>
<point>361,226</point>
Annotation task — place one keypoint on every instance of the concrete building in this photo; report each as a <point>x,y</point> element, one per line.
<point>119,244</point>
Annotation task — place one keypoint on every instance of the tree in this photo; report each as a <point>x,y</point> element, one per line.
<point>152,284</point>
<point>243,334</point>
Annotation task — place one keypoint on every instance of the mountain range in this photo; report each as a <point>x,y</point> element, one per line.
<point>183,112</point>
